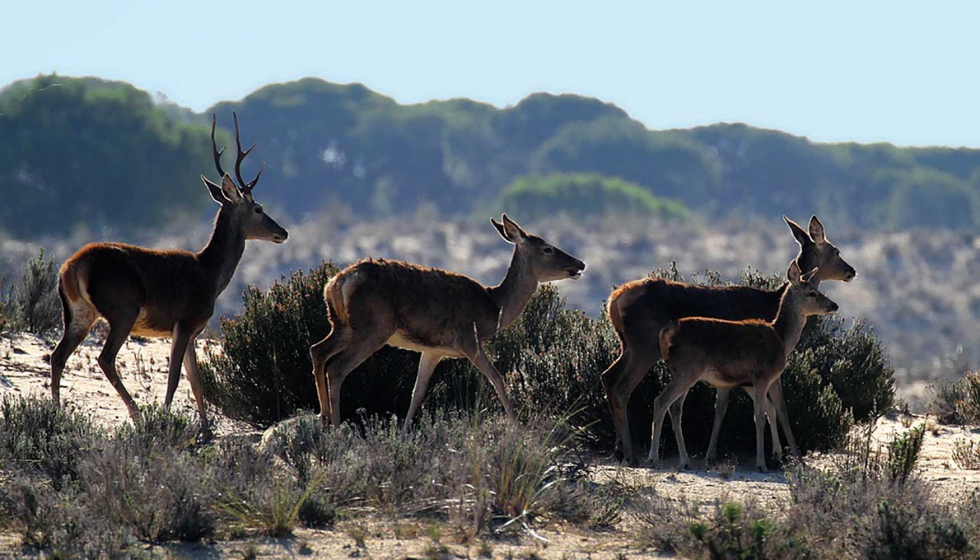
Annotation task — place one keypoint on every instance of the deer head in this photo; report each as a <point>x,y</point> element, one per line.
<point>545,262</point>
<point>236,200</point>
<point>805,295</point>
<point>817,252</point>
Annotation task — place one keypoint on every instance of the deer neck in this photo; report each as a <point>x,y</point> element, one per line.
<point>224,251</point>
<point>512,295</point>
<point>789,322</point>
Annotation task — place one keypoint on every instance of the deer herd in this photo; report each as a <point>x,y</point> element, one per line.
<point>728,337</point>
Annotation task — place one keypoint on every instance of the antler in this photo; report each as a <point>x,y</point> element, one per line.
<point>246,187</point>
<point>214,148</point>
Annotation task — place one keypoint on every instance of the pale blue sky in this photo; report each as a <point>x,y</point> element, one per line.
<point>907,73</point>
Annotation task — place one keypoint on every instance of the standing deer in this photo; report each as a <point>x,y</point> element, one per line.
<point>639,310</point>
<point>155,293</point>
<point>729,354</point>
<point>438,313</point>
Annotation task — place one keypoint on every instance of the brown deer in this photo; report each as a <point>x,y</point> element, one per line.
<point>638,311</point>
<point>155,293</point>
<point>733,354</point>
<point>438,313</point>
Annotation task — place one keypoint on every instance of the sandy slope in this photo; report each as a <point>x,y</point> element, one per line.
<point>24,369</point>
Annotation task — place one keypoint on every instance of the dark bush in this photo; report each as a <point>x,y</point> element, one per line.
<point>551,357</point>
<point>263,373</point>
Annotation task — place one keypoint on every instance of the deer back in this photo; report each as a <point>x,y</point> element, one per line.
<point>429,306</point>
<point>732,352</point>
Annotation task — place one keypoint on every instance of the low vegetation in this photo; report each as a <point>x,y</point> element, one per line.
<point>867,503</point>
<point>71,490</point>
<point>957,402</point>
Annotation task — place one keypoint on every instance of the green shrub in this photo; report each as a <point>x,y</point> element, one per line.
<point>735,531</point>
<point>903,453</point>
<point>585,194</point>
<point>969,405</point>
<point>957,402</point>
<point>7,309</point>
<point>966,454</point>
<point>33,304</point>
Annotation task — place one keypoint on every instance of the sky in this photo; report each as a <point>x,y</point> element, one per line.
<point>864,71</point>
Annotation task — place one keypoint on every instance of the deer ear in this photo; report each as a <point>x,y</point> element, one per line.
<point>817,233</point>
<point>500,228</point>
<point>230,189</point>
<point>802,237</point>
<point>215,190</point>
<point>513,231</point>
<point>793,273</point>
<point>809,275</point>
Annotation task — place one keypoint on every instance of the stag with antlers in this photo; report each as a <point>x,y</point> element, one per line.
<point>156,293</point>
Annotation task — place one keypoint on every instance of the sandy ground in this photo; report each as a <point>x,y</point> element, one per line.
<point>24,369</point>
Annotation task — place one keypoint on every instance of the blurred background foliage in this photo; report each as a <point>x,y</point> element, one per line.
<point>89,153</point>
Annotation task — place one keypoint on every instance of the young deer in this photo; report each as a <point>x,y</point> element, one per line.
<point>733,354</point>
<point>638,311</point>
<point>148,292</point>
<point>438,313</point>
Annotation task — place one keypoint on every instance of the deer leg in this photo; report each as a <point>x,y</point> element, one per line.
<point>78,322</point>
<point>676,413</point>
<point>633,372</point>
<point>346,361</point>
<point>609,378</point>
<point>320,353</point>
<point>119,328</point>
<point>677,388</point>
<point>721,406</point>
<point>479,359</point>
<point>178,347</point>
<point>770,410</point>
<point>197,386</point>
<point>779,403</point>
<point>760,389</point>
<point>427,365</point>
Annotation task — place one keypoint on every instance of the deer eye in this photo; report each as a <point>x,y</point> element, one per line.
<point>548,250</point>
<point>258,209</point>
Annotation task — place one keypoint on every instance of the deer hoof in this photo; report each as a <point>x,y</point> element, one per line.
<point>205,435</point>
